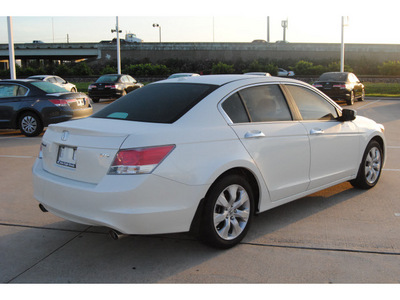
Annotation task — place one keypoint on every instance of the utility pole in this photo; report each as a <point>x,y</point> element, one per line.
<point>118,46</point>
<point>285,26</point>
<point>345,22</point>
<point>268,29</point>
<point>11,49</point>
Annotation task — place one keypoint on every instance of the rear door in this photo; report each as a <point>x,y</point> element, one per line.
<point>11,96</point>
<point>334,144</point>
<point>278,145</point>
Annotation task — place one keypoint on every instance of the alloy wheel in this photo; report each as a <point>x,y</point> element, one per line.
<point>373,165</point>
<point>231,212</point>
<point>29,124</point>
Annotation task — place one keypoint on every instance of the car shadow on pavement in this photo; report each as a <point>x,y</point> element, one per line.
<point>89,255</point>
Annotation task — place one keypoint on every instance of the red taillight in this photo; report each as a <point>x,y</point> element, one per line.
<point>139,161</point>
<point>317,85</point>
<point>61,102</point>
<point>341,86</point>
<point>111,86</point>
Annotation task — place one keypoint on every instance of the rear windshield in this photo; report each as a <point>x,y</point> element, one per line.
<point>108,78</point>
<point>333,77</point>
<point>48,87</point>
<point>157,103</point>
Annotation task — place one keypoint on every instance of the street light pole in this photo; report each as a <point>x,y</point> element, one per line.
<point>159,29</point>
<point>11,49</point>
<point>118,46</point>
<point>344,23</point>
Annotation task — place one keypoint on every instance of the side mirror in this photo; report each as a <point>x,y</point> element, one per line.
<point>348,115</point>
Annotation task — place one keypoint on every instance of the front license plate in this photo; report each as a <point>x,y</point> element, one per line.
<point>66,156</point>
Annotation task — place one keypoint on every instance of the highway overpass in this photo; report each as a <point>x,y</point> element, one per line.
<point>157,52</point>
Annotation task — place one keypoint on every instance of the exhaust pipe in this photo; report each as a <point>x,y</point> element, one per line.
<point>42,208</point>
<point>115,235</point>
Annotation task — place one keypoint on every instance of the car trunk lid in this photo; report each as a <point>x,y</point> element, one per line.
<point>74,151</point>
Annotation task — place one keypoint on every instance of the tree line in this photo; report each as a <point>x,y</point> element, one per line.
<point>170,66</point>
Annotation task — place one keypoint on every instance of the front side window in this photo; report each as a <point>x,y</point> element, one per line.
<point>52,80</point>
<point>265,103</point>
<point>311,105</point>
<point>59,80</point>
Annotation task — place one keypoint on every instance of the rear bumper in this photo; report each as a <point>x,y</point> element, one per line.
<point>82,113</point>
<point>131,204</point>
<point>107,93</point>
<point>337,94</point>
<point>58,116</point>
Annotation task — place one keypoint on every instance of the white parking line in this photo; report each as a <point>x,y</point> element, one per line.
<point>367,104</point>
<point>16,156</point>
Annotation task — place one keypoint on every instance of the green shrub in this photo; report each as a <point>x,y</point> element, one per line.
<point>390,68</point>
<point>257,66</point>
<point>147,69</point>
<point>63,70</point>
<point>82,69</point>
<point>335,67</point>
<point>222,68</point>
<point>108,70</point>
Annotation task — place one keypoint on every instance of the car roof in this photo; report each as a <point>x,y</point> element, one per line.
<point>35,76</point>
<point>20,80</point>
<point>225,79</point>
<point>113,75</point>
<point>337,73</point>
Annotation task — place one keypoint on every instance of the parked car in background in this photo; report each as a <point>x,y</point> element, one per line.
<point>258,73</point>
<point>112,86</point>
<point>341,86</point>
<point>178,75</point>
<point>30,105</point>
<point>284,73</point>
<point>204,154</point>
<point>57,81</point>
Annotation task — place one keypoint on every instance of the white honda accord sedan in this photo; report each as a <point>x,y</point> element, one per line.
<point>203,154</point>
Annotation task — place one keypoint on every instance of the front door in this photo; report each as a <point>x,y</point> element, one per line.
<point>334,144</point>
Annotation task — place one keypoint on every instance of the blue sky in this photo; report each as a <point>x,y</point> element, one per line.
<point>204,21</point>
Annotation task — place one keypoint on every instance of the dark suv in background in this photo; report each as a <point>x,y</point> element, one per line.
<point>341,86</point>
<point>112,86</point>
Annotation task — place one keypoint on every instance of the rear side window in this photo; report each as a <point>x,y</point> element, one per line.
<point>12,90</point>
<point>157,103</point>
<point>266,103</point>
<point>233,106</point>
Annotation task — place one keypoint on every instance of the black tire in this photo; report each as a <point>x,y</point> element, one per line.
<point>370,168</point>
<point>362,98</point>
<point>95,100</point>
<point>227,213</point>
<point>30,124</point>
<point>351,100</point>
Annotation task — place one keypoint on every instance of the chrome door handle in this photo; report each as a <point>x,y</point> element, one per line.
<point>254,134</point>
<point>316,131</point>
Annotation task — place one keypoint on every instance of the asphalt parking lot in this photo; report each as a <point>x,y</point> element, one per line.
<point>339,235</point>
